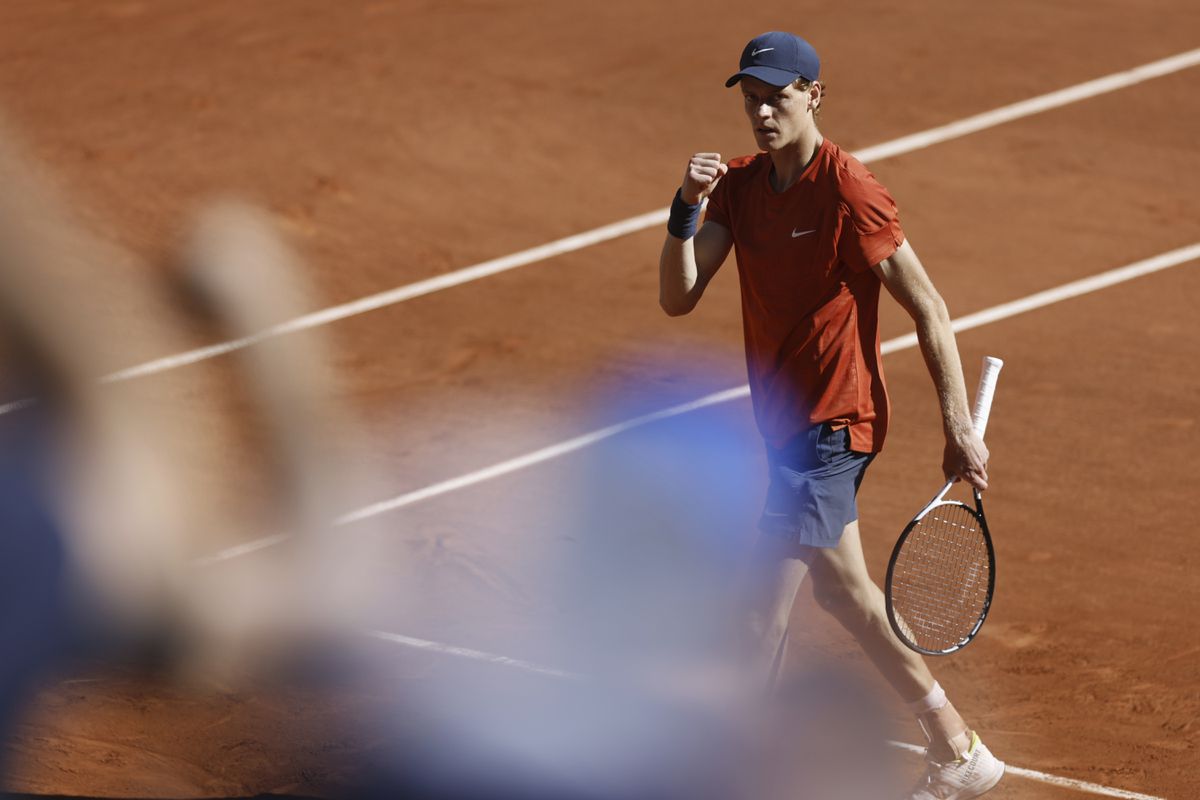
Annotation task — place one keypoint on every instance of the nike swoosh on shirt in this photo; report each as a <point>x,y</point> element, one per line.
<point>756,52</point>
<point>796,233</point>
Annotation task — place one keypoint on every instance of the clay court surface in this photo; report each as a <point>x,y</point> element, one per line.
<point>398,141</point>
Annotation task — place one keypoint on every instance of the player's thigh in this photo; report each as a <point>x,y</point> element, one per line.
<point>772,576</point>
<point>840,567</point>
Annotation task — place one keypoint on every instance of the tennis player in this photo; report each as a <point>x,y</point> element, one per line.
<point>816,236</point>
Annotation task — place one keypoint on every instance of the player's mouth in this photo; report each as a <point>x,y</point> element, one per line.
<point>766,132</point>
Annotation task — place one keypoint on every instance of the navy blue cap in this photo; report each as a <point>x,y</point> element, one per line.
<point>778,58</point>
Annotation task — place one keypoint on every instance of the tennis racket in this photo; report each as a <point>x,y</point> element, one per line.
<point>942,573</point>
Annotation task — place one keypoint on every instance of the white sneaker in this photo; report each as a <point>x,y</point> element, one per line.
<point>970,776</point>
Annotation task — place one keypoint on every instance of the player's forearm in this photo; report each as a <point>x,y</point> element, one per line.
<point>678,276</point>
<point>940,350</point>
<point>682,274</point>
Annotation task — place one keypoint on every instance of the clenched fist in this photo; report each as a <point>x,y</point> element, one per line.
<point>704,171</point>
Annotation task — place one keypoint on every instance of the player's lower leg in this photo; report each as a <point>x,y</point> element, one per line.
<point>769,591</point>
<point>842,586</point>
<point>948,736</point>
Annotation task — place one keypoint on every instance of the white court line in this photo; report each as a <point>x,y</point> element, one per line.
<point>1083,286</point>
<point>1172,258</point>
<point>474,655</point>
<point>529,666</point>
<point>1056,780</point>
<point>1034,105</point>
<point>487,473</point>
<point>579,241</point>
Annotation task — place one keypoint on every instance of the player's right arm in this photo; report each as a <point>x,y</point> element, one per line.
<point>687,265</point>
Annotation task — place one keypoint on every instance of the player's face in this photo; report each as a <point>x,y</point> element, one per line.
<point>778,114</point>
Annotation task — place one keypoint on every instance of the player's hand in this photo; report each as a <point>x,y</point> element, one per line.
<point>704,171</point>
<point>966,459</point>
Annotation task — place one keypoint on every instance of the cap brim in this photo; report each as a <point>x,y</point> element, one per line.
<point>768,75</point>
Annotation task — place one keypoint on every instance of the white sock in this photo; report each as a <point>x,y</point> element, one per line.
<point>931,702</point>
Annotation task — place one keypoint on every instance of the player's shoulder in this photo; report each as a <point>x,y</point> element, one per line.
<point>748,162</point>
<point>746,167</point>
<point>743,175</point>
<point>857,189</point>
<point>849,175</point>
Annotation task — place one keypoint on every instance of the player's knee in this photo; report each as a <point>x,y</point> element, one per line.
<point>829,598</point>
<point>764,628</point>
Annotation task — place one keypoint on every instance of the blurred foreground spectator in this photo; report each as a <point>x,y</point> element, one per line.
<point>101,524</point>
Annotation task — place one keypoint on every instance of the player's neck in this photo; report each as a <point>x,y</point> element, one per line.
<point>788,163</point>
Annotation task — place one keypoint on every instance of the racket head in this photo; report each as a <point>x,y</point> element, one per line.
<point>941,578</point>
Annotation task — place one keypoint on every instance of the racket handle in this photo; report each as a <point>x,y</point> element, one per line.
<point>985,393</point>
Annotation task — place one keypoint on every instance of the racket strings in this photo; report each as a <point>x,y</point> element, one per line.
<point>941,577</point>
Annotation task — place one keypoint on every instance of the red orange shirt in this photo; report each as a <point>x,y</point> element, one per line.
<point>810,302</point>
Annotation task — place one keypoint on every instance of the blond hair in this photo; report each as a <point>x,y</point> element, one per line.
<point>803,84</point>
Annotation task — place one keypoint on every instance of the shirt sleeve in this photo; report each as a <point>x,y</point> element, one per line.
<point>871,230</point>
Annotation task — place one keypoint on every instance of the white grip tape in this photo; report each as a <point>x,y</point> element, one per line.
<point>985,393</point>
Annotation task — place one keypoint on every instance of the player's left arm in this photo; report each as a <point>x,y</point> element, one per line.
<point>966,455</point>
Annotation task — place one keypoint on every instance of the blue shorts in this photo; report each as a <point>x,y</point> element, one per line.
<point>814,483</point>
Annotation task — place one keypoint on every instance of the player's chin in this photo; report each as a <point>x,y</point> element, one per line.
<point>767,140</point>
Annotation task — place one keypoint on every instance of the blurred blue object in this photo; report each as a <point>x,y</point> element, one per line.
<point>34,615</point>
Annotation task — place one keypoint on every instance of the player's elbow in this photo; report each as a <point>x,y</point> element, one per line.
<point>938,309</point>
<point>929,309</point>
<point>672,309</point>
<point>675,306</point>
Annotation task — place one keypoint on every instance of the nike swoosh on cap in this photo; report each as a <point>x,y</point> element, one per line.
<point>763,50</point>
